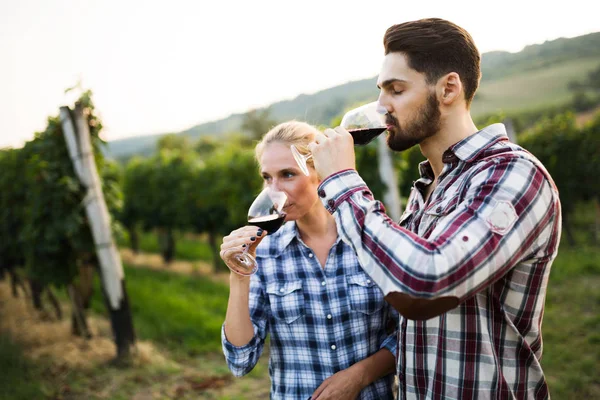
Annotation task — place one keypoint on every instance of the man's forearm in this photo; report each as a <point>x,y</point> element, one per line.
<point>375,367</point>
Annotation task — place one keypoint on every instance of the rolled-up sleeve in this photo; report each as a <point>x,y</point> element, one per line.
<point>391,341</point>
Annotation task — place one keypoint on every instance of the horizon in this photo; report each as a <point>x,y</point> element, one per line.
<point>148,69</point>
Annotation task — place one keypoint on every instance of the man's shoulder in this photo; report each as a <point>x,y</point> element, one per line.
<point>508,152</point>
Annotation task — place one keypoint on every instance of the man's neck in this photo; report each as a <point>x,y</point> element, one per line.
<point>453,129</point>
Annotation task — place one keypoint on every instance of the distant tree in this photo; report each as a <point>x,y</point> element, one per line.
<point>589,159</point>
<point>173,141</point>
<point>221,193</point>
<point>206,145</point>
<point>257,123</point>
<point>557,144</point>
<point>167,175</point>
<point>12,214</point>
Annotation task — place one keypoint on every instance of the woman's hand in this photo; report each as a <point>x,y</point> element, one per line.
<point>247,237</point>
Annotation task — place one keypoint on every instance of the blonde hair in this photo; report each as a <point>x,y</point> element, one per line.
<point>300,134</point>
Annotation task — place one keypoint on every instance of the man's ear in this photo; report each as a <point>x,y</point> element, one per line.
<point>450,88</point>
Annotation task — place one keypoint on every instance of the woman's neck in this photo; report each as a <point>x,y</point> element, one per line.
<point>318,223</point>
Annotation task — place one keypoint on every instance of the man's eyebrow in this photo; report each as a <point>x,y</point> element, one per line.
<point>390,82</point>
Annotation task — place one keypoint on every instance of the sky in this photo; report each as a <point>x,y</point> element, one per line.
<point>165,66</point>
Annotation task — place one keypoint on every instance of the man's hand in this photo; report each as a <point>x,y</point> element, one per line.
<point>333,151</point>
<point>345,385</point>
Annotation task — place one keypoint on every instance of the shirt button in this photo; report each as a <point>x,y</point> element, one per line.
<point>368,281</point>
<point>323,283</point>
<point>281,290</point>
<point>330,203</point>
<point>321,193</point>
<point>465,238</point>
<point>333,347</point>
<point>438,210</point>
<point>310,255</point>
<point>329,316</point>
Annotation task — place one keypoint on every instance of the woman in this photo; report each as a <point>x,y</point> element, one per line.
<point>326,318</point>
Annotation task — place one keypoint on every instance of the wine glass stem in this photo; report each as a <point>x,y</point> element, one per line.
<point>245,250</point>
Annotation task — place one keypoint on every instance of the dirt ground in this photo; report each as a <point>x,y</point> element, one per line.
<point>76,368</point>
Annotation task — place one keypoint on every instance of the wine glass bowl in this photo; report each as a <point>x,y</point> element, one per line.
<point>266,212</point>
<point>365,123</point>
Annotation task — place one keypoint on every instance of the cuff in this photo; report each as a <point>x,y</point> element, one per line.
<point>336,188</point>
<point>391,343</point>
<point>233,351</point>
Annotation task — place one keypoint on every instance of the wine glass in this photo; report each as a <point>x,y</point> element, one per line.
<point>364,123</point>
<point>266,212</point>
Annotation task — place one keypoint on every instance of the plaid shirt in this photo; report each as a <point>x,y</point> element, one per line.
<point>487,235</point>
<point>320,320</point>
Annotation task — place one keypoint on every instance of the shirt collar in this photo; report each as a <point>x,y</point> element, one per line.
<point>472,146</point>
<point>468,149</point>
<point>273,245</point>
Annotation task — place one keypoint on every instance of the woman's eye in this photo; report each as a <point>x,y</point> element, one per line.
<point>288,174</point>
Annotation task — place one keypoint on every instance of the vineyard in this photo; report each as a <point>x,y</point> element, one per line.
<point>62,335</point>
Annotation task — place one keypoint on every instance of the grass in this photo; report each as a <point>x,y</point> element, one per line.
<point>15,369</point>
<point>521,92</point>
<point>180,312</point>
<point>188,247</point>
<point>571,329</point>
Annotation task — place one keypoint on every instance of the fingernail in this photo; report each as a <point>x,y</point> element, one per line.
<point>253,238</point>
<point>259,233</point>
<point>244,245</point>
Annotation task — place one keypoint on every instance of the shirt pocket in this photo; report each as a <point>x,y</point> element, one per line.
<point>287,300</point>
<point>364,295</point>
<point>443,206</point>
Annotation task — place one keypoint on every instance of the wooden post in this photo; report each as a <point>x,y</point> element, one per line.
<point>391,197</point>
<point>77,137</point>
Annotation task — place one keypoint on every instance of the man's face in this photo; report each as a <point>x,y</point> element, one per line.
<point>413,112</point>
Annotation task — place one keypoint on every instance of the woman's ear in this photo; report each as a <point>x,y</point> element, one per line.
<point>450,88</point>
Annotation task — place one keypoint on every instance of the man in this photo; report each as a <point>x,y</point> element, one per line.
<point>468,263</point>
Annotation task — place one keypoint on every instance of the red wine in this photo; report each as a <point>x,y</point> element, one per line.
<point>365,135</point>
<point>269,223</point>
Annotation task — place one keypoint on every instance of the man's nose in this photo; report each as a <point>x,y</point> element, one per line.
<point>384,102</point>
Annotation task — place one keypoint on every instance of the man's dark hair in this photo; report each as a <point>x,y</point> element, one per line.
<point>436,47</point>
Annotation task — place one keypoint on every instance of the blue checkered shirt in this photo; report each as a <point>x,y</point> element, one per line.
<point>321,320</point>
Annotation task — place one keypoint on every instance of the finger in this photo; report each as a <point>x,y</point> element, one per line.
<point>320,138</point>
<point>330,133</point>
<point>245,231</point>
<point>319,390</point>
<point>256,239</point>
<point>341,131</point>
<point>238,243</point>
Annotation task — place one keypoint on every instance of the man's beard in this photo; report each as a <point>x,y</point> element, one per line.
<point>426,124</point>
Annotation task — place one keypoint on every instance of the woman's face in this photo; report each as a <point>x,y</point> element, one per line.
<point>280,171</point>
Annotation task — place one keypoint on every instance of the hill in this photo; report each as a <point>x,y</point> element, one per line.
<point>534,78</point>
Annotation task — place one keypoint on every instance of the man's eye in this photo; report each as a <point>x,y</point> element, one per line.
<point>397,92</point>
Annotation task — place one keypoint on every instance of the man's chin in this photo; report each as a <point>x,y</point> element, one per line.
<point>399,145</point>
